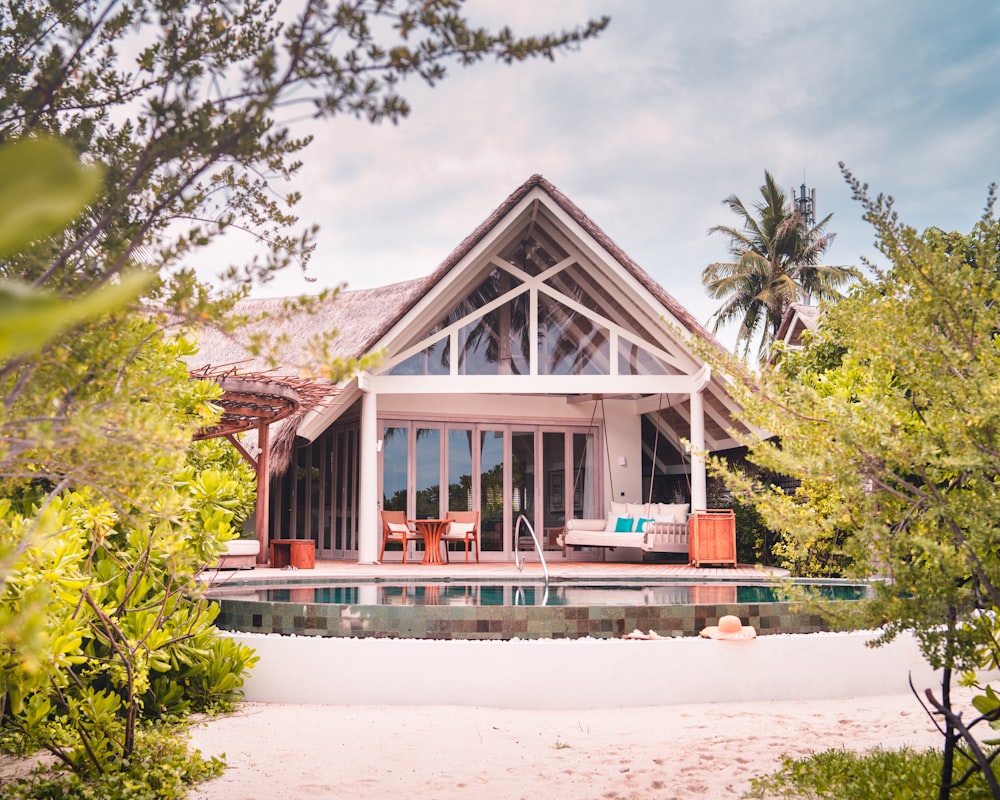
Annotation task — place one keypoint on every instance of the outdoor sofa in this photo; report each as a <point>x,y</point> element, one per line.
<point>239,554</point>
<point>650,527</point>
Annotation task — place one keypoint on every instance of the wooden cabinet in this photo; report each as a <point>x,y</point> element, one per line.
<point>712,537</point>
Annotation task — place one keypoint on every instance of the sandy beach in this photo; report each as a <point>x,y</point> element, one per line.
<point>680,751</point>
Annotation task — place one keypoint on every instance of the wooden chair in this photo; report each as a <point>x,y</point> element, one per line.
<point>464,528</point>
<point>395,528</point>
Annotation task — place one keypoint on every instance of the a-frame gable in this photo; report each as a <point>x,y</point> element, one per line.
<point>537,296</point>
<point>539,300</point>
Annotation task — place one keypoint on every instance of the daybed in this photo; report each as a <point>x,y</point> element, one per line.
<point>651,527</point>
<point>239,554</point>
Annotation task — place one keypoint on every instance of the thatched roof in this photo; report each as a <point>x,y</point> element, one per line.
<point>356,315</point>
<point>362,317</point>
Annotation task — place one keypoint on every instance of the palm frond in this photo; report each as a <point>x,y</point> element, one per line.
<point>776,262</point>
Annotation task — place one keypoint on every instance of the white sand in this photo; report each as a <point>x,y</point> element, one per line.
<point>710,751</point>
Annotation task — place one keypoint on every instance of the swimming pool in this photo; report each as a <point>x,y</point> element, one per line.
<point>512,609</point>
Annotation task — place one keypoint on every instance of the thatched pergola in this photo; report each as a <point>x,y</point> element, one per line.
<point>253,402</point>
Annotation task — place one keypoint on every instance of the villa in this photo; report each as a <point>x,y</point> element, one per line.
<point>538,371</point>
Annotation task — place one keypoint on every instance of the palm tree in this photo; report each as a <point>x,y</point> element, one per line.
<point>776,263</point>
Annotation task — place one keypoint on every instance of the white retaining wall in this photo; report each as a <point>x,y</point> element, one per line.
<point>578,673</point>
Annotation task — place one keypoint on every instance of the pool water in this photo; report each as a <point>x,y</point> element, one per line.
<point>536,594</point>
<point>489,610</point>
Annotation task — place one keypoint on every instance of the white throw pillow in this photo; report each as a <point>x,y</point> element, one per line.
<point>640,510</point>
<point>459,529</point>
<point>619,510</point>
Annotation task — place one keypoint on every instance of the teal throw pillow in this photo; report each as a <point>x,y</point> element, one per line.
<point>641,524</point>
<point>624,525</point>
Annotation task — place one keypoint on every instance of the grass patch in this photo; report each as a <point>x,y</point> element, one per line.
<point>878,774</point>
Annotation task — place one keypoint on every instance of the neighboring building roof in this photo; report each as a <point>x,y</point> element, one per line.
<point>798,319</point>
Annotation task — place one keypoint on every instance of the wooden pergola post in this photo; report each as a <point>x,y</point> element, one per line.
<point>257,401</point>
<point>263,491</point>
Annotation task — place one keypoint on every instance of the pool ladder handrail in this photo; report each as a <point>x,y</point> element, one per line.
<point>518,561</point>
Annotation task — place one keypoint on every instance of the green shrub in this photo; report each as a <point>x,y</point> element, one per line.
<point>878,774</point>
<point>161,767</point>
<point>103,622</point>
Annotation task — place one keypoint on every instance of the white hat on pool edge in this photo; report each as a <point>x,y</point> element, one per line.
<point>729,627</point>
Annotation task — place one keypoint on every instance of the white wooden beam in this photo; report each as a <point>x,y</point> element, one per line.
<point>533,384</point>
<point>368,523</point>
<point>699,493</point>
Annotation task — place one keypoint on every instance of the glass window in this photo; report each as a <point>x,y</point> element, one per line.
<point>584,501</point>
<point>497,283</point>
<point>433,360</point>
<point>522,472</point>
<point>554,490</point>
<point>350,490</point>
<point>533,252</point>
<point>636,360</point>
<point>428,473</point>
<point>547,473</point>
<point>491,494</point>
<point>497,342</point>
<point>585,286</point>
<point>459,470</point>
<point>570,343</point>
<point>394,453</point>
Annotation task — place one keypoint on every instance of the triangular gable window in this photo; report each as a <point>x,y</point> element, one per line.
<point>479,349</point>
<point>494,285</point>
<point>497,342</point>
<point>633,359</point>
<point>535,287</point>
<point>570,343</point>
<point>432,360</point>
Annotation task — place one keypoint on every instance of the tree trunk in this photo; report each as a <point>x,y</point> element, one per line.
<point>947,765</point>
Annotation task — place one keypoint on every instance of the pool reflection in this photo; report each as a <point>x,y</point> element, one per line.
<point>527,594</point>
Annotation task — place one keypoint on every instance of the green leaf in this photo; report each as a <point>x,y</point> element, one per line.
<point>43,188</point>
<point>30,318</point>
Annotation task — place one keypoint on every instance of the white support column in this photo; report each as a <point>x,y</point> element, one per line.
<point>369,528</point>
<point>699,492</point>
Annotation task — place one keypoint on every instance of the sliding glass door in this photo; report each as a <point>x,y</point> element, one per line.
<point>546,473</point>
<point>492,491</point>
<point>523,485</point>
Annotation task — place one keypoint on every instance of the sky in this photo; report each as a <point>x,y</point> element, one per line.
<point>649,128</point>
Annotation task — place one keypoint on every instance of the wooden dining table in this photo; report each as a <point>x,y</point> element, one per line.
<point>432,530</point>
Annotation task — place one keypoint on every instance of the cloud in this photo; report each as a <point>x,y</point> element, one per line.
<point>649,128</point>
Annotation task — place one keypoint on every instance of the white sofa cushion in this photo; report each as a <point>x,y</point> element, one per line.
<point>671,512</point>
<point>637,510</point>
<point>586,524</point>
<point>242,547</point>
